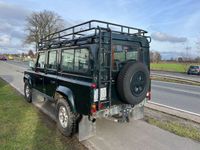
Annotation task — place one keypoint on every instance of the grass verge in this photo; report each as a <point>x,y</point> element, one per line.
<point>174,124</point>
<point>166,79</point>
<point>22,126</point>
<point>173,67</point>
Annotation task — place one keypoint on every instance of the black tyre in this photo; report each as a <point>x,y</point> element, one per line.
<point>66,119</point>
<point>28,92</point>
<point>133,82</point>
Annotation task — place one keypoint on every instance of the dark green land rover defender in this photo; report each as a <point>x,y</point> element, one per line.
<point>92,70</point>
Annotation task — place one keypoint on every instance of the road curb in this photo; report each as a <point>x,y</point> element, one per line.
<point>174,111</point>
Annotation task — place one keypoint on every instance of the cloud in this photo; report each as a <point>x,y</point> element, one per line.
<point>12,21</point>
<point>163,37</point>
<point>5,40</point>
<point>13,14</point>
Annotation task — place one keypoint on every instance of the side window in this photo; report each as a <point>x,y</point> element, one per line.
<point>41,60</point>
<point>52,60</point>
<point>81,62</point>
<point>75,60</point>
<point>67,63</point>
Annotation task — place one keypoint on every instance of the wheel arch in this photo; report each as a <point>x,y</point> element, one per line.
<point>27,77</point>
<point>68,94</point>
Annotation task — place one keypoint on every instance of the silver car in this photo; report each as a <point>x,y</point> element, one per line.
<point>194,70</point>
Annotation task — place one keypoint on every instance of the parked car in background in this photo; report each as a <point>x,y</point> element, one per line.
<point>10,57</point>
<point>3,58</point>
<point>194,70</point>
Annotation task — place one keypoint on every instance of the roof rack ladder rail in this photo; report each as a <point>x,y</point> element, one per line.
<point>110,69</point>
<point>99,68</point>
<point>107,54</point>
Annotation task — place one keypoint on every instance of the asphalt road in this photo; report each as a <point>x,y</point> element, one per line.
<point>137,135</point>
<point>19,63</point>
<point>176,95</point>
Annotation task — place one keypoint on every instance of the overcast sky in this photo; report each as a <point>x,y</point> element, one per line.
<point>172,24</point>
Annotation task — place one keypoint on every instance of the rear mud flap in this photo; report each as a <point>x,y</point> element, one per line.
<point>87,128</point>
<point>137,113</point>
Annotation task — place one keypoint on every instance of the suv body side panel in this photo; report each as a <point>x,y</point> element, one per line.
<point>38,80</point>
<point>79,90</point>
<point>50,83</point>
<point>66,92</point>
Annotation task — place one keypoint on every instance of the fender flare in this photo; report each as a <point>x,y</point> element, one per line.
<point>66,92</point>
<point>27,77</point>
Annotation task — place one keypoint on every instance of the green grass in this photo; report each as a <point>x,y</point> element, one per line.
<point>22,126</point>
<point>174,67</point>
<point>176,128</point>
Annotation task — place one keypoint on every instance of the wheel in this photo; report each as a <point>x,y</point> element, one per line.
<point>28,92</point>
<point>66,120</point>
<point>133,82</point>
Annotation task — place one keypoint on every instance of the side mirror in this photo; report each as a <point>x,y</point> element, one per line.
<point>31,64</point>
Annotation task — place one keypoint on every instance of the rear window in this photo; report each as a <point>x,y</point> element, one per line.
<point>125,52</point>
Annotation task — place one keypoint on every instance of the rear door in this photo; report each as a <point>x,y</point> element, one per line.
<point>38,78</point>
<point>50,78</point>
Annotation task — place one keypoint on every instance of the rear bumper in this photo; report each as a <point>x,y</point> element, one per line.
<point>136,112</point>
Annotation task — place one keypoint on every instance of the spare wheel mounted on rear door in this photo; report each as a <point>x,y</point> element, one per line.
<point>133,82</point>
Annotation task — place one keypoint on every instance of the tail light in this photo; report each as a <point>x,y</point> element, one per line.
<point>93,108</point>
<point>93,86</point>
<point>148,96</point>
<point>101,106</point>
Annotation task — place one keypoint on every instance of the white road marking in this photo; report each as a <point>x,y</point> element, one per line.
<point>177,109</point>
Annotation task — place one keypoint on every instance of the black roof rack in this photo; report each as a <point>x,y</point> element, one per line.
<point>85,29</point>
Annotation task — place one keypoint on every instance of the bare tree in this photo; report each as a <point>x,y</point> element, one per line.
<point>151,56</point>
<point>41,24</point>
<point>30,53</point>
<point>155,56</point>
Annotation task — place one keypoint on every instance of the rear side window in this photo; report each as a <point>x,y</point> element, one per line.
<point>52,60</point>
<point>41,60</point>
<point>81,61</point>
<point>67,63</point>
<point>75,60</point>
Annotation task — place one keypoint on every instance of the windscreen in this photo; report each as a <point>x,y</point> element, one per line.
<point>194,67</point>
